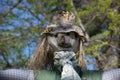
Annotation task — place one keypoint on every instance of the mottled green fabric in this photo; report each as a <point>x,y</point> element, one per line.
<point>56,74</point>
<point>92,75</point>
<point>46,75</point>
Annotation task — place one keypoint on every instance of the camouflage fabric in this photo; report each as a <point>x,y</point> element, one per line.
<point>67,60</point>
<point>47,75</point>
<point>55,28</point>
<point>92,75</point>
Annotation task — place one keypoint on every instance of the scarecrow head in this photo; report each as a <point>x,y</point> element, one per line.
<point>61,35</point>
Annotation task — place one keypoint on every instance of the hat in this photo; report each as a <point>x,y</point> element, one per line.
<point>64,23</point>
<point>54,29</point>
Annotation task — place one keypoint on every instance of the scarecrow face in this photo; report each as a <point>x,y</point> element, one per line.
<point>64,41</point>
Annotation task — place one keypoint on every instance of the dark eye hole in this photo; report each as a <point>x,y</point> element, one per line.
<point>76,35</point>
<point>67,34</point>
<point>56,35</point>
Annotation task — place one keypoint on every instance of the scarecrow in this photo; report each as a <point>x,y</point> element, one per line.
<point>60,55</point>
<point>60,43</point>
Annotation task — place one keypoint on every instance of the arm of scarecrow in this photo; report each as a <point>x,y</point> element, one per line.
<point>15,74</point>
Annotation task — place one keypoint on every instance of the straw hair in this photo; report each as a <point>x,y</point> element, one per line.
<point>41,58</point>
<point>81,57</point>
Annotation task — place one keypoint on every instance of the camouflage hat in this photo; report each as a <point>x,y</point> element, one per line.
<point>54,29</point>
<point>64,22</point>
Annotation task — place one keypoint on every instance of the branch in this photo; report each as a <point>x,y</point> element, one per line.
<point>8,38</point>
<point>5,59</point>
<point>100,41</point>
<point>33,14</point>
<point>9,11</point>
<point>90,21</point>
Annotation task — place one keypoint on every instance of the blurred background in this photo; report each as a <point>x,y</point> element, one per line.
<point>21,22</point>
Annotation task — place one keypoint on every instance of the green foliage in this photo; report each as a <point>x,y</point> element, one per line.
<point>95,49</point>
<point>94,17</point>
<point>115,22</point>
